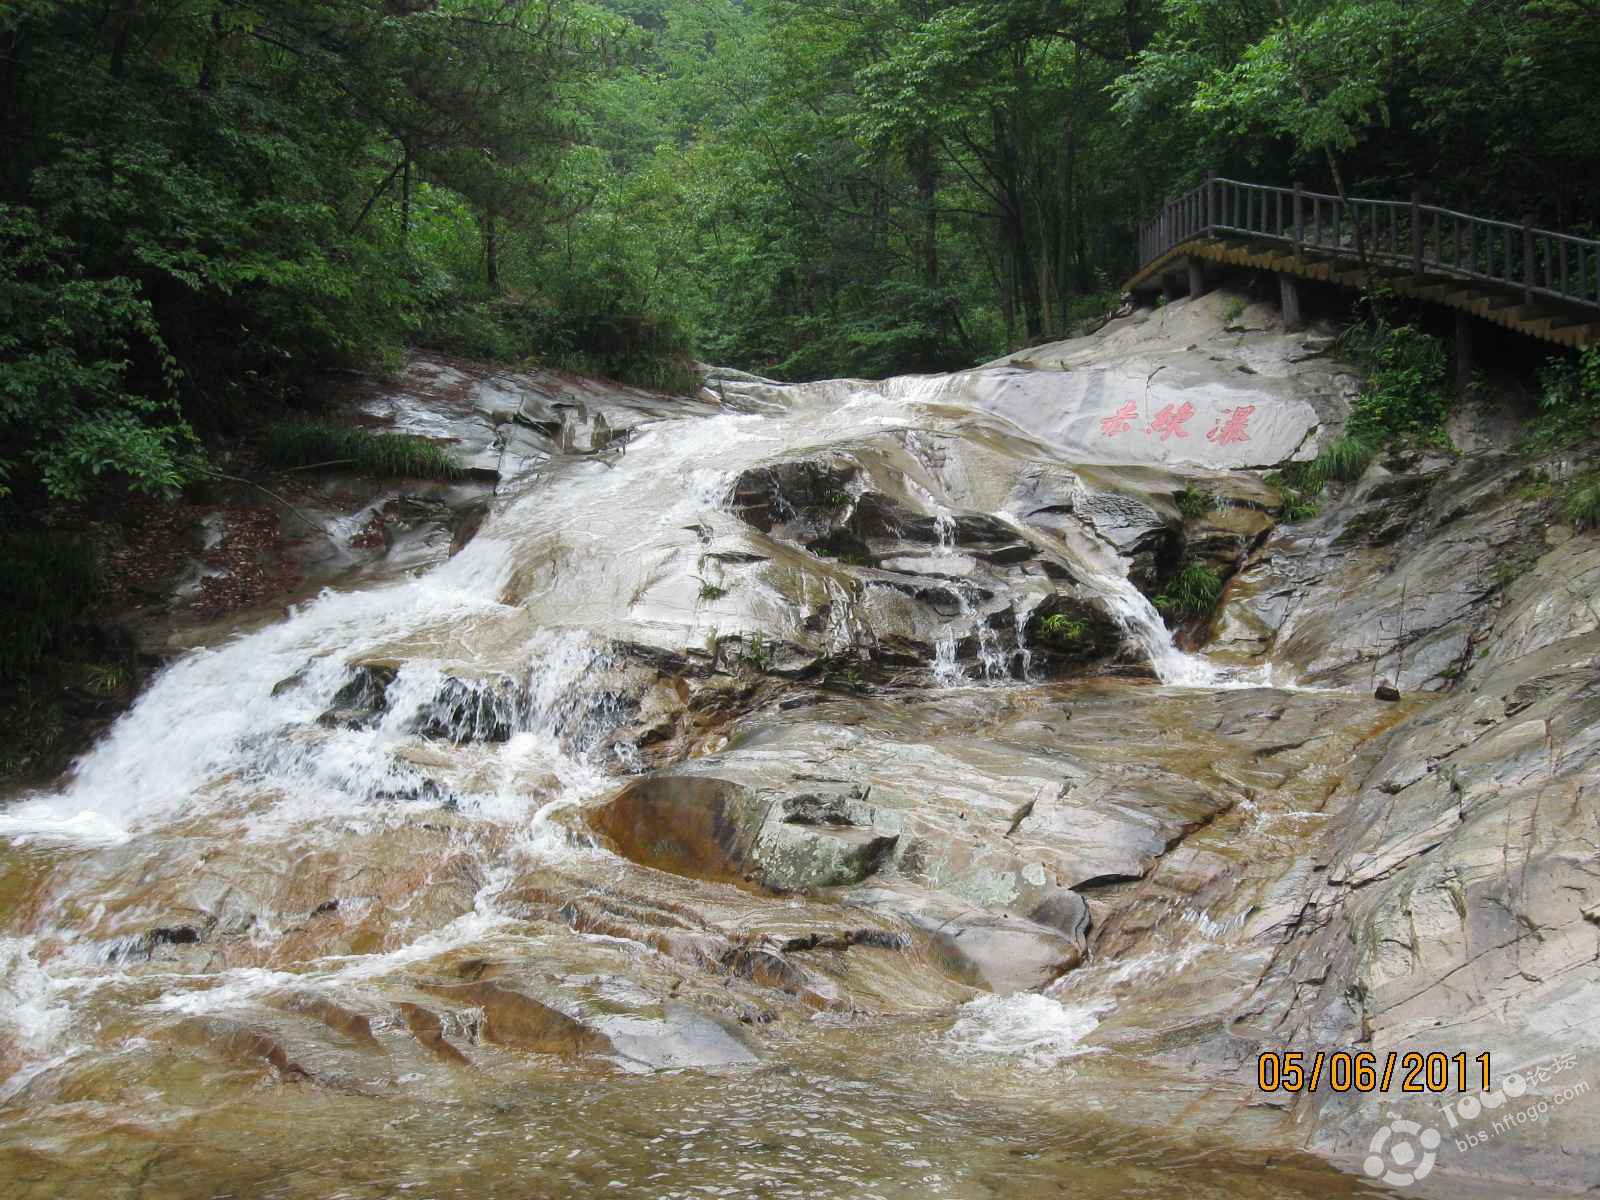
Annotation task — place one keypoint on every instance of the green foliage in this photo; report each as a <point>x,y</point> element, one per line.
<point>628,347</point>
<point>1194,503</point>
<point>107,679</point>
<point>1405,396</point>
<point>302,444</point>
<point>1060,630</point>
<point>1298,485</point>
<point>1507,572</point>
<point>49,582</point>
<point>1298,506</point>
<point>1580,500</point>
<point>711,591</point>
<point>1233,311</point>
<point>757,654</point>
<point>33,730</point>
<point>200,210</point>
<point>1533,485</point>
<point>851,678</point>
<point>86,379</point>
<point>1569,402</point>
<point>1346,460</point>
<point>1193,591</point>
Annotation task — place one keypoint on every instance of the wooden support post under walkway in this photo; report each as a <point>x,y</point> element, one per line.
<point>1197,278</point>
<point>1464,363</point>
<point>1289,302</point>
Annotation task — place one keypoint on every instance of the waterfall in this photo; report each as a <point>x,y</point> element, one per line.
<point>1139,619</point>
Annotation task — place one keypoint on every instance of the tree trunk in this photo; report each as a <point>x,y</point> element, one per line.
<point>119,44</point>
<point>1327,149</point>
<point>211,65</point>
<point>1027,275</point>
<point>405,203</point>
<point>927,170</point>
<point>491,252</point>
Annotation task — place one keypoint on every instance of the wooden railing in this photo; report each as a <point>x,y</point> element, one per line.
<point>1420,238</point>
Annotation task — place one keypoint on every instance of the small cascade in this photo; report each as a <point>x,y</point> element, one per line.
<point>994,663</point>
<point>994,660</point>
<point>1106,572</point>
<point>1132,610</point>
<point>947,671</point>
<point>1024,652</point>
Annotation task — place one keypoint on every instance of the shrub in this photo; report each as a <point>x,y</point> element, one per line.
<point>48,583</point>
<point>1058,629</point>
<point>1297,506</point>
<point>1298,486</point>
<point>1192,592</point>
<point>1345,460</point>
<point>582,335</point>
<point>1581,500</point>
<point>757,654</point>
<point>302,444</point>
<point>1569,402</point>
<point>1193,503</point>
<point>1406,394</point>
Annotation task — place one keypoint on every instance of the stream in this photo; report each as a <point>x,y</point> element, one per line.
<point>374,900</point>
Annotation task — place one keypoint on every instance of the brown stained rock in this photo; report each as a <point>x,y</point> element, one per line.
<point>513,1019</point>
<point>426,1027</point>
<point>240,1043</point>
<point>700,828</point>
<point>336,1017</point>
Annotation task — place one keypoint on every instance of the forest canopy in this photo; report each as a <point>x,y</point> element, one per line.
<point>204,204</point>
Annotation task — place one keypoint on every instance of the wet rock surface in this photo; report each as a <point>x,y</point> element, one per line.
<point>795,786</point>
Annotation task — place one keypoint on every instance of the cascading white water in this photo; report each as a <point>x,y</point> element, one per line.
<point>235,847</point>
<point>33,1010</point>
<point>1139,618</point>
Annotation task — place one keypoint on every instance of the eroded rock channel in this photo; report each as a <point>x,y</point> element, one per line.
<point>795,791</point>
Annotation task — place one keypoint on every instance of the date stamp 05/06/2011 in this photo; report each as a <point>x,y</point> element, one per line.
<point>1364,1071</point>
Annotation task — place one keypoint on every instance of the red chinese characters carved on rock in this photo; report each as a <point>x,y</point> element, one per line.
<point>1169,421</point>
<point>1120,421</point>
<point>1232,429</point>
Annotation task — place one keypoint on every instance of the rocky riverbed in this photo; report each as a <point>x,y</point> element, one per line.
<point>794,790</point>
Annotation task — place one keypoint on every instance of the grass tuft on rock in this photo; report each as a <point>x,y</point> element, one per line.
<point>1345,460</point>
<point>1192,592</point>
<point>301,444</point>
<point>1058,629</point>
<point>1581,501</point>
<point>1194,503</point>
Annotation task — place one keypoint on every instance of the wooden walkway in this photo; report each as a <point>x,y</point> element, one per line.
<point>1543,284</point>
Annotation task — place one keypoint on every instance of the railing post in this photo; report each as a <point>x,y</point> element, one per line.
<point>1527,260</point>
<point>1416,231</point>
<point>1299,226</point>
<point>1211,187</point>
